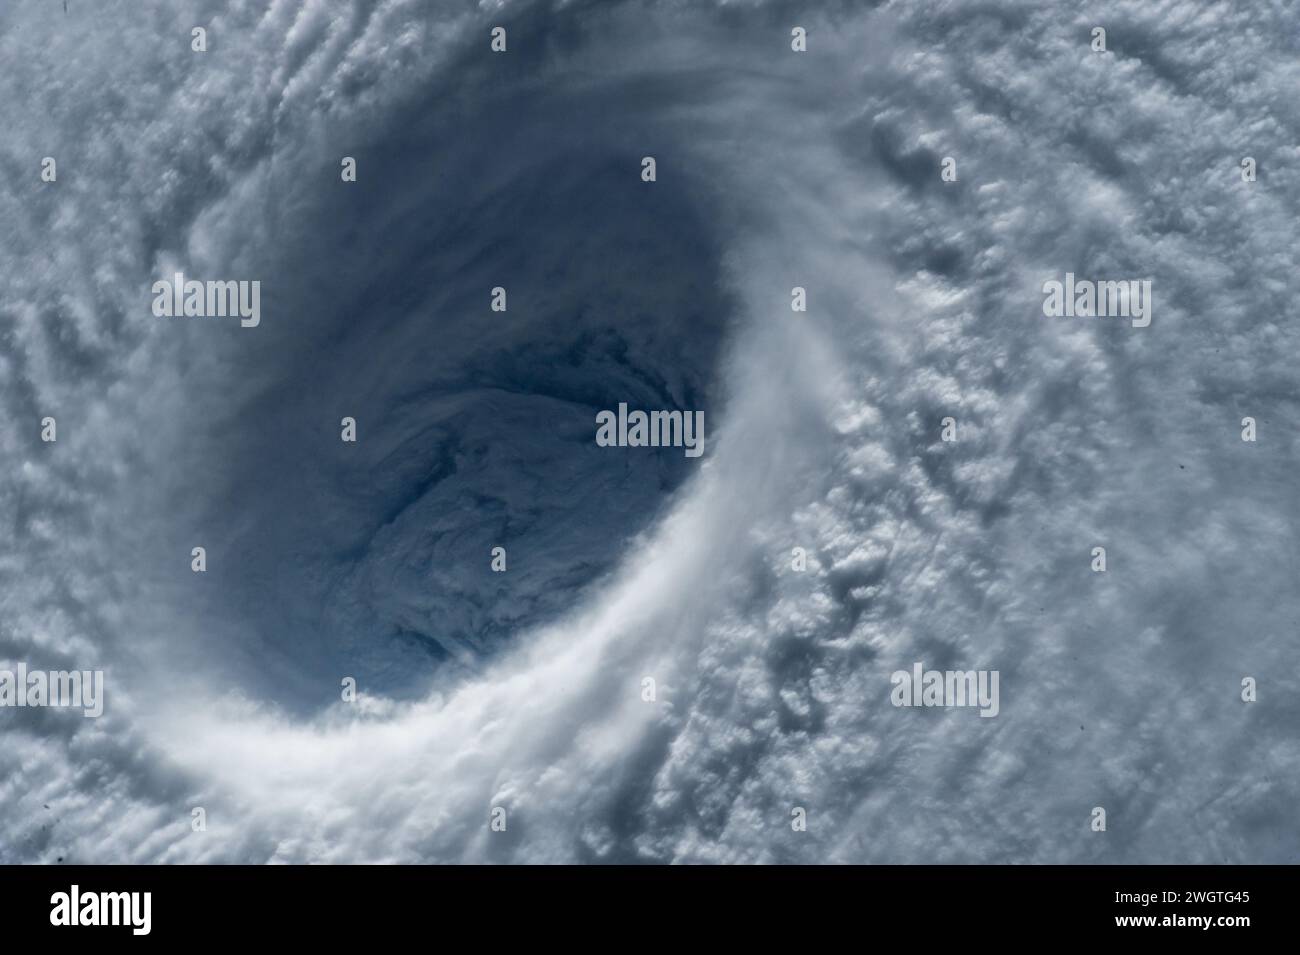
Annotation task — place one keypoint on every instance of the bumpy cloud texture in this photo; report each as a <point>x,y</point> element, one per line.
<point>523,690</point>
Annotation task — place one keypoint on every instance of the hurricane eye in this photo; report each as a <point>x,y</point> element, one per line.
<point>469,336</point>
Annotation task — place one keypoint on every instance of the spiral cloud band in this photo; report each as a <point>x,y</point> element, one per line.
<point>965,349</point>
